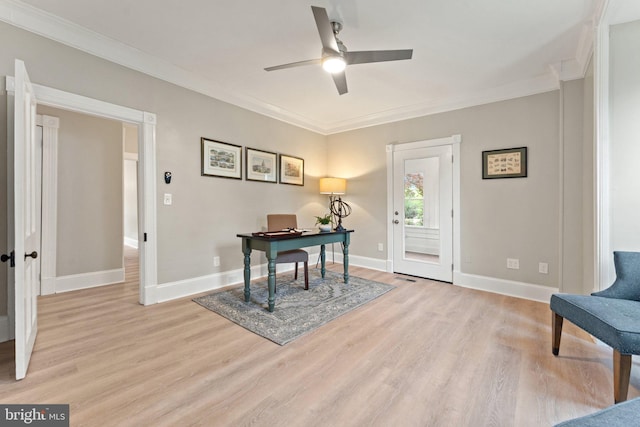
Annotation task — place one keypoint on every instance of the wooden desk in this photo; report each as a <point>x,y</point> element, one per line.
<point>271,245</point>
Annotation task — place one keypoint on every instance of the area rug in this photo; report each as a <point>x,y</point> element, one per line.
<point>297,311</point>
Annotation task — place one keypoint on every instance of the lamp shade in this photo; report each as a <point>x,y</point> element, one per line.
<point>333,186</point>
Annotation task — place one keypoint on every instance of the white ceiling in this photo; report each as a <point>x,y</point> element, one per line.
<point>466,52</point>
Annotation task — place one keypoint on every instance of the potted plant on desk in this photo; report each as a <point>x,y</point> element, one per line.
<point>324,222</point>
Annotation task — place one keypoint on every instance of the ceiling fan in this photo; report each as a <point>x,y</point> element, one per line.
<point>335,56</point>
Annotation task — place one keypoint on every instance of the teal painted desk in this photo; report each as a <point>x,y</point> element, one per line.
<point>272,245</point>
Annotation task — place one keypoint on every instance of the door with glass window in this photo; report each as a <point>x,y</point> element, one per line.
<point>423,212</point>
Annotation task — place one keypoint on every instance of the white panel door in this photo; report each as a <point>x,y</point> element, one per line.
<point>423,212</point>
<point>26,218</point>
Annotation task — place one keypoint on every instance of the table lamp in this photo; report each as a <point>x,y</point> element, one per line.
<point>339,209</point>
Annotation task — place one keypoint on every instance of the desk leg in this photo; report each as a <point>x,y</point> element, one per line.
<point>345,252</point>
<point>247,270</point>
<point>272,281</point>
<point>322,259</point>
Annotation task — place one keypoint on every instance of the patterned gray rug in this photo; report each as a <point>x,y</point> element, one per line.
<point>297,311</point>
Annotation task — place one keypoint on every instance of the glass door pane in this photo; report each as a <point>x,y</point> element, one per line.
<point>422,209</point>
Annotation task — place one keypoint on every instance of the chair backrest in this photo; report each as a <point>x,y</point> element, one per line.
<point>277,222</point>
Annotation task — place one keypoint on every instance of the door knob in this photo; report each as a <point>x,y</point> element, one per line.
<point>33,255</point>
<point>10,258</point>
<point>396,222</point>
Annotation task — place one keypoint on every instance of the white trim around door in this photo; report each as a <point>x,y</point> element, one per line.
<point>454,141</point>
<point>50,126</point>
<point>147,213</point>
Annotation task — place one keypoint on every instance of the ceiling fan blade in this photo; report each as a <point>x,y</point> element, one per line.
<point>340,79</point>
<point>294,64</point>
<point>364,57</point>
<point>324,28</point>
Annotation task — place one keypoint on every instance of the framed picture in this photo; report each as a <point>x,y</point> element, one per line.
<point>261,165</point>
<point>221,159</point>
<point>291,170</point>
<point>507,163</point>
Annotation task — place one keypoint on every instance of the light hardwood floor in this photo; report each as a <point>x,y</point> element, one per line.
<point>424,354</point>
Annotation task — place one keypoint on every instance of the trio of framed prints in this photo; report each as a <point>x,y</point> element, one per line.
<point>224,160</point>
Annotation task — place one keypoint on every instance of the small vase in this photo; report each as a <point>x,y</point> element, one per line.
<point>325,227</point>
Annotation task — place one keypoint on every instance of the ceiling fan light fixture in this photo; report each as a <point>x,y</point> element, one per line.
<point>334,64</point>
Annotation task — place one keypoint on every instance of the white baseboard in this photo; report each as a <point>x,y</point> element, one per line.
<point>184,288</point>
<point>361,261</point>
<point>5,334</point>
<point>89,280</point>
<point>511,288</point>
<point>196,285</point>
<point>47,285</point>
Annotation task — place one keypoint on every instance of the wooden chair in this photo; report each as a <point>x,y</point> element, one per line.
<point>277,222</point>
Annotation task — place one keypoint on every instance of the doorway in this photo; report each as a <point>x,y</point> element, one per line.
<point>90,207</point>
<point>147,215</point>
<point>424,189</point>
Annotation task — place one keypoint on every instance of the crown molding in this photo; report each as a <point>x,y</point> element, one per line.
<point>24,16</point>
<point>544,83</point>
<point>37,21</point>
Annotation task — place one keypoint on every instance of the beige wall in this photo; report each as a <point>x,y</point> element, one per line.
<point>518,218</point>
<point>90,200</point>
<point>515,218</point>
<point>207,212</point>
<point>625,136</point>
<point>571,189</point>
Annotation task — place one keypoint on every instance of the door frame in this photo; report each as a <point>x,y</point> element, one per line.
<point>454,141</point>
<point>147,207</point>
<point>50,126</point>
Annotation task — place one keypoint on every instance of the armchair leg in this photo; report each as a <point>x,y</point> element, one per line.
<point>556,332</point>
<point>295,275</point>
<point>306,276</point>
<point>621,374</point>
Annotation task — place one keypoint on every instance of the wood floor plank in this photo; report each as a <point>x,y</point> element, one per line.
<point>424,354</point>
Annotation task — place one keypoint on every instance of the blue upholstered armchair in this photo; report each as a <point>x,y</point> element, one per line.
<point>611,315</point>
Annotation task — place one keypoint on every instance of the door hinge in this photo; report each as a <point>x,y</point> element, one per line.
<point>145,237</point>
<point>451,213</point>
<point>451,267</point>
<point>11,258</point>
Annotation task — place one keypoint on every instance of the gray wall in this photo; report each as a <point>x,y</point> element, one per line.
<point>207,212</point>
<point>515,218</point>
<point>500,218</point>
<point>89,229</point>
<point>625,136</point>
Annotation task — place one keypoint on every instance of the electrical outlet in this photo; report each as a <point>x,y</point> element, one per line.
<point>216,261</point>
<point>380,247</point>
<point>513,263</point>
<point>543,268</point>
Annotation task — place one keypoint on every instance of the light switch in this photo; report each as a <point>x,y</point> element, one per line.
<point>167,199</point>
